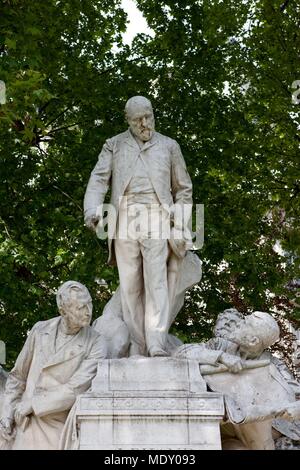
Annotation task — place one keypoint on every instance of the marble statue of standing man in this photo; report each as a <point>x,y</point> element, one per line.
<point>147,174</point>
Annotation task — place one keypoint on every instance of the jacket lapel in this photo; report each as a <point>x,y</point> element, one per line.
<point>150,143</point>
<point>132,156</point>
<point>48,338</point>
<point>71,349</point>
<point>147,159</point>
<point>130,140</point>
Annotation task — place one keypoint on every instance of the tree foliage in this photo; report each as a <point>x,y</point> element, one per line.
<point>220,77</point>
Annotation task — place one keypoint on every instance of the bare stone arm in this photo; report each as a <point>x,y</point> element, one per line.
<point>199,353</point>
<point>210,358</point>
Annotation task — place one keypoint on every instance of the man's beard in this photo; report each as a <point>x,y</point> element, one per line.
<point>224,332</point>
<point>145,134</point>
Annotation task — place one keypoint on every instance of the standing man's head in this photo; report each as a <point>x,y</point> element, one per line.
<point>253,333</point>
<point>140,117</point>
<point>75,305</point>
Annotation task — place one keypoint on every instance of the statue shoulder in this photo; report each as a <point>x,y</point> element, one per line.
<point>168,141</point>
<point>91,334</point>
<point>95,342</point>
<point>45,324</point>
<point>117,139</point>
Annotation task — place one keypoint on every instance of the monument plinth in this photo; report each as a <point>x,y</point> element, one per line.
<point>149,403</point>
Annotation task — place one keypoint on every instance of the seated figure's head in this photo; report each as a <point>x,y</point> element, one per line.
<point>253,333</point>
<point>140,117</point>
<point>74,304</point>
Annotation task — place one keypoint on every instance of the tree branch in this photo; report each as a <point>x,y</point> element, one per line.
<point>68,196</point>
<point>66,127</point>
<point>5,228</point>
<point>284,5</point>
<point>42,108</point>
<point>60,114</point>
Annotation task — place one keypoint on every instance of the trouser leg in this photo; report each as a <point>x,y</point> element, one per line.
<point>129,261</point>
<point>155,254</point>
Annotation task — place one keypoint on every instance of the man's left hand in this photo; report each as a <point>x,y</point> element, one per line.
<point>233,363</point>
<point>291,412</point>
<point>23,409</point>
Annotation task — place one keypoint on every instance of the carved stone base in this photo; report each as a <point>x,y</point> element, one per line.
<point>149,403</point>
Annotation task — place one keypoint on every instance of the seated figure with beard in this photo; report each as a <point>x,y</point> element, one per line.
<point>257,387</point>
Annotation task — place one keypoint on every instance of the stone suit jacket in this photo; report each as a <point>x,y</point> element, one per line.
<point>50,379</point>
<point>115,167</point>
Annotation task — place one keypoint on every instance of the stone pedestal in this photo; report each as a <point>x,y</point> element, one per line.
<point>149,403</point>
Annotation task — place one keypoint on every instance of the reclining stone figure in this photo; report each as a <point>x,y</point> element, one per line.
<point>257,387</point>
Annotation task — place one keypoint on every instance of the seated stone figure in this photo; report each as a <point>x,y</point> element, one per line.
<point>3,377</point>
<point>57,363</point>
<point>260,388</point>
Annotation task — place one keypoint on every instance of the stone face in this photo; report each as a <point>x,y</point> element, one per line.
<point>142,403</point>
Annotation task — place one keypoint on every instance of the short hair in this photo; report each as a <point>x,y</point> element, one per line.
<point>270,332</point>
<point>229,313</point>
<point>70,289</point>
<point>137,101</point>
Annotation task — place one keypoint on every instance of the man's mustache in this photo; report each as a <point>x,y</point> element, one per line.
<point>143,129</point>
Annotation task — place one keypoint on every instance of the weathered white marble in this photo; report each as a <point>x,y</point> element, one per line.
<point>111,324</point>
<point>2,352</point>
<point>149,403</point>
<point>257,387</point>
<point>148,176</point>
<point>57,362</point>
<point>3,374</point>
<point>3,377</point>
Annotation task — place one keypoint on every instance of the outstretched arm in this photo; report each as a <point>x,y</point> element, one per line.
<point>207,356</point>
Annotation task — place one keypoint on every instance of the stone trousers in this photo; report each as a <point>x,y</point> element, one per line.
<point>142,265</point>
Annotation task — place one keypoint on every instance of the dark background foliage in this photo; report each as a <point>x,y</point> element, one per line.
<point>220,77</point>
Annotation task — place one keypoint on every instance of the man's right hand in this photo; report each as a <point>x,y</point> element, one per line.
<point>233,363</point>
<point>6,429</point>
<point>291,412</point>
<point>92,221</point>
<point>23,409</point>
